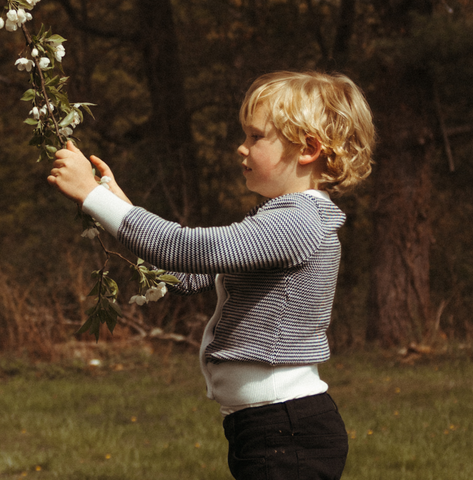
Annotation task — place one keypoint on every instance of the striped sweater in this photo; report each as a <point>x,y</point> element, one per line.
<point>280,267</point>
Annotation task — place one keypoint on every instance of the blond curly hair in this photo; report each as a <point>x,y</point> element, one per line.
<point>329,108</point>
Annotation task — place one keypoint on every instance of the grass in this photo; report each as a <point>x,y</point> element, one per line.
<point>148,422</point>
<point>405,422</point>
<point>149,419</point>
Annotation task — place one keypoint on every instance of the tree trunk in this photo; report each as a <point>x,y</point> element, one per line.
<point>400,289</point>
<point>173,145</point>
<point>400,292</point>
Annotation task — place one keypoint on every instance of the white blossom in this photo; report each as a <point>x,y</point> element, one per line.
<point>2,23</point>
<point>34,52</point>
<point>104,181</point>
<point>66,131</point>
<point>76,120</point>
<point>44,109</point>
<point>35,112</point>
<point>29,16</point>
<point>24,64</point>
<point>33,2</point>
<point>44,62</point>
<point>90,233</point>
<point>21,14</point>
<point>153,294</point>
<point>12,16</point>
<point>138,299</point>
<point>11,26</point>
<point>59,52</point>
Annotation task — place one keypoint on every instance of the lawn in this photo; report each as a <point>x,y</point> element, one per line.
<point>406,421</point>
<point>148,418</point>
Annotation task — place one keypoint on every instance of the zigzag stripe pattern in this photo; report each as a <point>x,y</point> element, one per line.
<point>280,265</point>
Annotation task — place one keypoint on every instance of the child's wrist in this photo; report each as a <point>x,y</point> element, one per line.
<point>86,191</point>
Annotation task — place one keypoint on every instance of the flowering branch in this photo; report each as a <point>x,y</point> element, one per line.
<point>37,62</point>
<point>52,115</point>
<point>54,120</point>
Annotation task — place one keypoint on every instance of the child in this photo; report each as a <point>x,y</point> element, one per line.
<point>307,135</point>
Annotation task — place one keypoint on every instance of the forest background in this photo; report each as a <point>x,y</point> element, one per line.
<point>168,78</point>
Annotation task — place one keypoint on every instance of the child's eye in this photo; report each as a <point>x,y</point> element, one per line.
<point>256,137</point>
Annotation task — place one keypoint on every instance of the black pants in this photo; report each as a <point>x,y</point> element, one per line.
<point>300,439</point>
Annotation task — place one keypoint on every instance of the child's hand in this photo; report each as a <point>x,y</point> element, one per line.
<point>72,174</point>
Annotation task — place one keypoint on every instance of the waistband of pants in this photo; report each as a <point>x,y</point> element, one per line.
<point>300,408</point>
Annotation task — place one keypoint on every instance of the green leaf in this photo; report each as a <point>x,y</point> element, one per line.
<point>85,326</point>
<point>81,115</point>
<point>51,148</point>
<point>95,327</point>
<point>96,274</point>
<point>171,279</point>
<point>85,106</point>
<point>24,4</point>
<point>95,290</point>
<point>90,310</point>
<point>57,38</point>
<point>29,95</point>
<point>68,119</point>
<point>52,82</point>
<point>111,323</point>
<point>152,275</point>
<point>111,285</point>
<point>31,121</point>
<point>62,98</point>
<point>41,31</point>
<point>117,308</point>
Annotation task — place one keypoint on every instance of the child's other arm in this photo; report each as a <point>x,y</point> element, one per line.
<point>191,283</point>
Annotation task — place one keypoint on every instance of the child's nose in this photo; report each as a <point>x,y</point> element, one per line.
<point>242,150</point>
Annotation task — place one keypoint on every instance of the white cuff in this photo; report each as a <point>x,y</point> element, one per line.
<point>105,207</point>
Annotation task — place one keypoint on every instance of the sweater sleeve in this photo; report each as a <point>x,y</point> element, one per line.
<point>284,232</point>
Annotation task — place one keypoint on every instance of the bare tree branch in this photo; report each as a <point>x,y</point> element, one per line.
<point>441,119</point>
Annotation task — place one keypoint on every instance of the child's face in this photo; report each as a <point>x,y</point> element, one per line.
<point>268,167</point>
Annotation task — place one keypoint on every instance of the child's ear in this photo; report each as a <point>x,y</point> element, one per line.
<point>311,152</point>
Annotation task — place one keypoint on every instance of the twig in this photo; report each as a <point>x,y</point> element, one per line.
<point>116,254</point>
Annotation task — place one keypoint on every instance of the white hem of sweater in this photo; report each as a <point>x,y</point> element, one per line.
<point>105,207</point>
<point>239,385</point>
